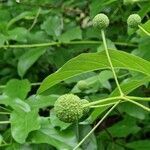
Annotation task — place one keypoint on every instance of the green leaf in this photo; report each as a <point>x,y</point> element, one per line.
<point>18,34</point>
<point>53,26</point>
<point>72,34</point>
<point>139,145</point>
<point>131,85</point>
<point>28,59</point>
<point>137,112</point>
<point>39,101</point>
<point>58,123</point>
<point>90,143</point>
<point>146,26</point>
<point>95,61</point>
<point>2,39</point>
<point>23,123</point>
<point>123,128</point>
<point>48,134</point>
<point>17,88</point>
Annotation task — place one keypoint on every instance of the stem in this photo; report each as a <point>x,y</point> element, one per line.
<point>102,119</point>
<point>4,122</point>
<point>103,105</point>
<point>147,33</point>
<point>136,103</point>
<point>59,43</point>
<point>5,109</point>
<point>139,98</point>
<point>109,60</point>
<point>102,101</point>
<point>4,113</point>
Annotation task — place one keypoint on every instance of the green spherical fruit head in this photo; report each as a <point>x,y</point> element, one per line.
<point>82,85</point>
<point>86,109</point>
<point>133,20</point>
<point>68,108</point>
<point>100,21</point>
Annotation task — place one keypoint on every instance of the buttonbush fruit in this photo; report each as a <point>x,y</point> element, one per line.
<point>100,21</point>
<point>68,108</point>
<point>82,85</point>
<point>133,20</point>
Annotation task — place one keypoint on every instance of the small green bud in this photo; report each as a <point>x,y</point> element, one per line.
<point>85,109</point>
<point>82,85</point>
<point>100,21</point>
<point>68,108</point>
<point>133,20</point>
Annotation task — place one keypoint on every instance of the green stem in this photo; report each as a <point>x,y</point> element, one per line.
<point>141,28</point>
<point>4,113</point>
<point>4,122</point>
<point>5,109</point>
<point>103,100</point>
<point>102,119</point>
<point>103,105</point>
<point>109,60</point>
<point>139,98</point>
<point>59,43</point>
<point>136,103</point>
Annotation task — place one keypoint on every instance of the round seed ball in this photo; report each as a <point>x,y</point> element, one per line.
<point>100,21</point>
<point>82,85</point>
<point>133,20</point>
<point>68,108</point>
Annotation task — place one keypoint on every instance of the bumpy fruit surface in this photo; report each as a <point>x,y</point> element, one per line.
<point>85,109</point>
<point>133,20</point>
<point>100,21</point>
<point>68,108</point>
<point>82,85</point>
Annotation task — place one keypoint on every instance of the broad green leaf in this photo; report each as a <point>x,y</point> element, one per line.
<point>39,101</point>
<point>16,103</point>
<point>53,26</point>
<point>95,61</point>
<point>17,88</point>
<point>48,134</point>
<point>72,34</point>
<point>139,145</point>
<point>23,123</point>
<point>28,59</point>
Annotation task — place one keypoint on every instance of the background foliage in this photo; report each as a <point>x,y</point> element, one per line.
<point>36,39</point>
